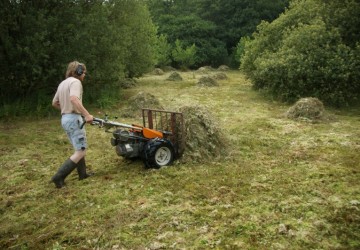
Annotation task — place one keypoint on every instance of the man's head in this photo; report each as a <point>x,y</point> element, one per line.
<point>76,69</point>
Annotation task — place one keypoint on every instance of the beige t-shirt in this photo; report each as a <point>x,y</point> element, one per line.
<point>69,87</point>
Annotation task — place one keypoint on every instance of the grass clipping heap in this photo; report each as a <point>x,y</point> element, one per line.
<point>139,101</point>
<point>207,81</point>
<point>204,140</point>
<point>220,76</point>
<point>174,76</point>
<point>310,108</point>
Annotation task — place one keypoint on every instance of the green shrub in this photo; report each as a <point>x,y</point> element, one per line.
<point>301,55</point>
<point>163,51</point>
<point>240,48</point>
<point>185,57</point>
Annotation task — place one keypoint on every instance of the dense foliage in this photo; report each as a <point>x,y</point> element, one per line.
<point>215,27</point>
<point>38,38</point>
<point>310,50</point>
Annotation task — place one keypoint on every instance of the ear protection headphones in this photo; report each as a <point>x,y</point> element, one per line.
<point>79,70</point>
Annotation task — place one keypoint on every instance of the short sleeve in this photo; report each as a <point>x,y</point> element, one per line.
<point>56,97</point>
<point>76,89</point>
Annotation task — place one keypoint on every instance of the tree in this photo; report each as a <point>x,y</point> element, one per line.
<point>191,29</point>
<point>214,26</point>
<point>163,51</point>
<point>240,48</point>
<point>238,18</point>
<point>185,57</point>
<point>115,38</point>
<point>133,21</point>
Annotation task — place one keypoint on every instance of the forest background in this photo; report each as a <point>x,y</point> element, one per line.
<point>288,49</point>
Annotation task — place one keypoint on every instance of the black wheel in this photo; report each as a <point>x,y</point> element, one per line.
<point>159,153</point>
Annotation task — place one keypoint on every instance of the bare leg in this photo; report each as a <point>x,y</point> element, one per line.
<point>78,155</point>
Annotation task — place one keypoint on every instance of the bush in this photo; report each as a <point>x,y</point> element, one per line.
<point>300,55</point>
<point>185,57</point>
<point>163,51</point>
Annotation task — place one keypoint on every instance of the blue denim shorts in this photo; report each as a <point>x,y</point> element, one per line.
<point>71,123</point>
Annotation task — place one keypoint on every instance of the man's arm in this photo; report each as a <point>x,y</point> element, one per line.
<point>56,104</point>
<point>55,101</point>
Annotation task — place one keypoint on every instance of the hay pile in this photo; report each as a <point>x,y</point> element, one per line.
<point>223,68</point>
<point>158,72</point>
<point>204,140</point>
<point>207,81</point>
<point>310,108</point>
<point>127,83</point>
<point>220,76</point>
<point>139,101</point>
<point>174,76</point>
<point>168,68</point>
<point>205,69</point>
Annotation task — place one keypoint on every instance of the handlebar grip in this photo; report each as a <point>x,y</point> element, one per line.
<point>83,124</point>
<point>98,120</point>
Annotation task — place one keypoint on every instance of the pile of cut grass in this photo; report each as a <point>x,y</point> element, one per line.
<point>204,140</point>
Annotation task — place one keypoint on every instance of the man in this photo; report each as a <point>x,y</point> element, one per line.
<point>68,99</point>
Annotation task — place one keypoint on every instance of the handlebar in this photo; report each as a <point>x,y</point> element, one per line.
<point>109,124</point>
<point>96,120</point>
<point>101,123</point>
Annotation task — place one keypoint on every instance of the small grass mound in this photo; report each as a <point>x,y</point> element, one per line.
<point>174,76</point>
<point>220,76</point>
<point>307,108</point>
<point>127,83</point>
<point>205,69</point>
<point>139,101</point>
<point>168,69</point>
<point>207,81</point>
<point>223,68</point>
<point>204,140</point>
<point>158,72</point>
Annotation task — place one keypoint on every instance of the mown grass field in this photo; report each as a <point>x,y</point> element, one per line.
<point>284,184</point>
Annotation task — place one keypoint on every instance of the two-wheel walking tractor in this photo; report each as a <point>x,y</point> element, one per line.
<point>158,142</point>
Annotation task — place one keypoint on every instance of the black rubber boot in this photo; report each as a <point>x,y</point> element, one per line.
<point>66,168</point>
<point>81,169</point>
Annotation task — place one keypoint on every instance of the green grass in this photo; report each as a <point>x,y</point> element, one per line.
<point>283,185</point>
